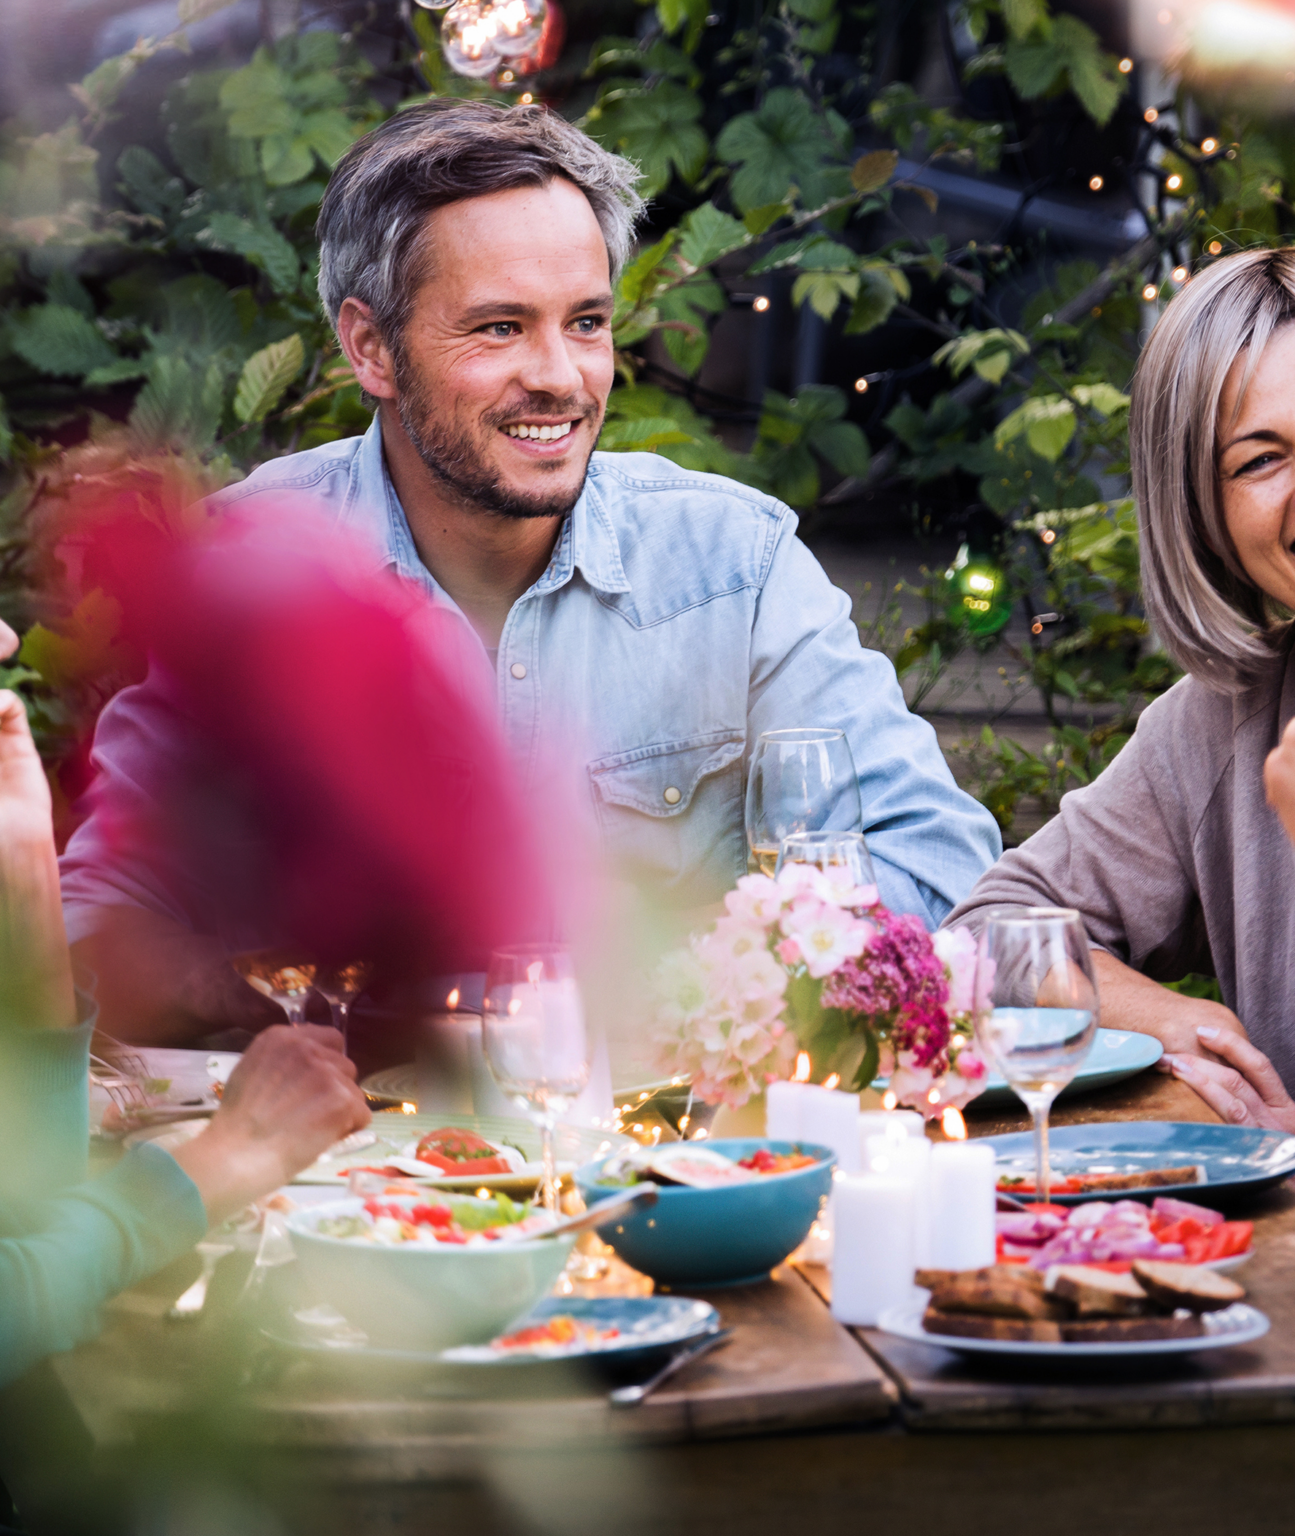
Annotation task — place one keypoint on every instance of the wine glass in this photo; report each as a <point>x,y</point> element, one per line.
<point>1036,1008</point>
<point>533,1035</point>
<point>842,856</point>
<point>341,985</point>
<point>801,780</point>
<point>280,975</point>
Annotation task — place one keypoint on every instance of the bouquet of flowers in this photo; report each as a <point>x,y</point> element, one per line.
<point>807,963</point>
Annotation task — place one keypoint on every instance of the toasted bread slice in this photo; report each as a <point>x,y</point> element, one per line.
<point>1187,1285</point>
<point>1095,1293</point>
<point>930,1279</point>
<point>1127,1330</point>
<point>968,1325</point>
<point>1146,1178</point>
<point>997,1297</point>
<point>1021,1274</point>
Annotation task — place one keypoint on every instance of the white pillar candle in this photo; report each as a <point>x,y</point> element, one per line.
<point>962,1205</point>
<point>890,1122</point>
<point>594,1107</point>
<point>872,1263</point>
<point>782,1110</point>
<point>907,1157</point>
<point>831,1119</point>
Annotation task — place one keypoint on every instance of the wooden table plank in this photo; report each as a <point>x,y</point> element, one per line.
<point>940,1389</point>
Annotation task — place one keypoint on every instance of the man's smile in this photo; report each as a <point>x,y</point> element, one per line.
<point>544,432</point>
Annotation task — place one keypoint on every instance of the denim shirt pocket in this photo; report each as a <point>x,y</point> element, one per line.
<point>672,813</point>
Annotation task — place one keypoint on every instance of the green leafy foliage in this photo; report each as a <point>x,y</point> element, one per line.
<point>784,144</point>
<point>266,376</point>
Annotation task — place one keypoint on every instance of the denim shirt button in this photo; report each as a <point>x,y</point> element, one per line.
<point>672,796</point>
<point>518,670</point>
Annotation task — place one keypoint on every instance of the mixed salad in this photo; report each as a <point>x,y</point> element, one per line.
<point>404,1222</point>
<point>697,1167</point>
<point>1112,1235</point>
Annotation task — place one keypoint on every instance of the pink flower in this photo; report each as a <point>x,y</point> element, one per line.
<point>788,951</point>
<point>757,899</point>
<point>898,967</point>
<point>826,935</point>
<point>956,949</point>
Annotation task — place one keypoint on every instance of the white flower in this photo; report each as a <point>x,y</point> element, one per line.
<point>956,950</point>
<point>754,988</point>
<point>758,899</point>
<point>827,935</point>
<point>683,987</point>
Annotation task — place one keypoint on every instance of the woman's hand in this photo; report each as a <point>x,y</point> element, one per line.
<point>1242,1085</point>
<point>289,1099</point>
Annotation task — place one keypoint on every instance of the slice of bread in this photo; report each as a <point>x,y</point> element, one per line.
<point>1146,1178</point>
<point>970,1325</point>
<point>997,1292</point>
<point>1187,1285</point>
<point>1127,1330</point>
<point>1096,1293</point>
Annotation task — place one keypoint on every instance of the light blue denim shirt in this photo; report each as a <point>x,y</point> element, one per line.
<point>678,618</point>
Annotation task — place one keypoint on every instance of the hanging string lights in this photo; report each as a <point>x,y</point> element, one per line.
<point>478,36</point>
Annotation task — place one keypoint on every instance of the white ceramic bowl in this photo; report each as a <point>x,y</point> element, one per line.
<point>412,1297</point>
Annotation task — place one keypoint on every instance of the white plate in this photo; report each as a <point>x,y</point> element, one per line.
<point>1237,1324</point>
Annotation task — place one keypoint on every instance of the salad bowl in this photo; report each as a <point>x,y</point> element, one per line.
<point>727,1234</point>
<point>422,1295</point>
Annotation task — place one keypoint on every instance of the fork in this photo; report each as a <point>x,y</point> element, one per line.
<point>188,1307</point>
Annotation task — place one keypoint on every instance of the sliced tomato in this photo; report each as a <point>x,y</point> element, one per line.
<point>456,1151</point>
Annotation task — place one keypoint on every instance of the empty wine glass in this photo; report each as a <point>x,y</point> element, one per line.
<point>801,780</point>
<point>533,1035</point>
<point>340,986</point>
<point>842,856</point>
<point>279,975</point>
<point>1036,1008</point>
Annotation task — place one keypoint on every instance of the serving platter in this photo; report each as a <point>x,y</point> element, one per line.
<point>1237,1160</point>
<point>394,1132</point>
<point>1237,1324</point>
<point>646,1325</point>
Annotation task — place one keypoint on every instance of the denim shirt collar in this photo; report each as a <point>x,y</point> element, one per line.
<point>587,541</point>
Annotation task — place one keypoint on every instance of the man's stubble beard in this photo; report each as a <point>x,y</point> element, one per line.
<point>452,460</point>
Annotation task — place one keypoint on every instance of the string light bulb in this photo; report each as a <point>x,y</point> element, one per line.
<point>1215,247</point>
<point>518,25</point>
<point>861,386</point>
<point>1150,115</point>
<point>1151,293</point>
<point>1126,66</point>
<point>1179,274</point>
<point>760,303</point>
<point>1172,183</point>
<point>1208,146</point>
<point>1095,183</point>
<point>468,40</point>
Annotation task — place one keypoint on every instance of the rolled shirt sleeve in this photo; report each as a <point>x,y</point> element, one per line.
<point>929,840</point>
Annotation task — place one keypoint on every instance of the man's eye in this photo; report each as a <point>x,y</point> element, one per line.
<point>501,328</point>
<point>588,324</point>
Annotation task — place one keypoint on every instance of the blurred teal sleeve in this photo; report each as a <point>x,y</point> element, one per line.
<point>68,1244</point>
<point>98,1239</point>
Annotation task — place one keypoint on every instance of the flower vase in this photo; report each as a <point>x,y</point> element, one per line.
<point>746,1121</point>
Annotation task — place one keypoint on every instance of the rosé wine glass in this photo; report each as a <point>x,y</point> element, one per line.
<point>841,856</point>
<point>801,780</point>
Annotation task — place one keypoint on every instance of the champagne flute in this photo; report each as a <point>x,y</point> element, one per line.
<point>533,1035</point>
<point>340,986</point>
<point>842,856</point>
<point>279,974</point>
<point>801,780</point>
<point>1036,1008</point>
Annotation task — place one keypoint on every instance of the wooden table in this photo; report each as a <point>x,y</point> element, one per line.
<point>798,1422</point>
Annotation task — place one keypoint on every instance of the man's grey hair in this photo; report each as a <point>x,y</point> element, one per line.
<point>385,186</point>
<point>1214,621</point>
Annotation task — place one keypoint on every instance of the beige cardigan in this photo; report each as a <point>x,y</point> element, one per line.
<point>1174,858</point>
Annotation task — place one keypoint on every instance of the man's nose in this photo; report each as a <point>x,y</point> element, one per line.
<point>548,366</point>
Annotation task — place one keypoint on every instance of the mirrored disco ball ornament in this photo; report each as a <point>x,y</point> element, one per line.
<point>432,5</point>
<point>468,39</point>
<point>519,25</point>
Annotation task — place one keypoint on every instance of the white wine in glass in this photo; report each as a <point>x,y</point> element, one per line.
<point>801,780</point>
<point>1036,1008</point>
<point>281,976</point>
<point>534,1040</point>
<point>340,985</point>
<point>841,856</point>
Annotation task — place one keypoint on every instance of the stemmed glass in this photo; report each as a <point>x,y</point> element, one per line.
<point>341,985</point>
<point>280,975</point>
<point>842,856</point>
<point>533,1035</point>
<point>1036,1008</point>
<point>801,780</point>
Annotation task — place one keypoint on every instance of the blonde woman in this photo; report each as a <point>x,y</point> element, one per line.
<point>1174,856</point>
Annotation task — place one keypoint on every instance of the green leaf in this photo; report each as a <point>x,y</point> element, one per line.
<point>1047,422</point>
<point>658,129</point>
<point>759,220</point>
<point>1069,54</point>
<point>256,99</point>
<point>180,406</point>
<point>643,435</point>
<point>990,353</point>
<point>873,303</point>
<point>286,158</point>
<point>262,246</point>
<point>872,171</point>
<point>148,183</point>
<point>1022,16</point>
<point>640,279</point>
<point>690,304</point>
<point>119,371</point>
<point>199,10</point>
<point>6,434</point>
<point>824,290</point>
<point>58,340</point>
<point>709,234</point>
<point>1101,397</point>
<point>843,445</point>
<point>674,13</point>
<point>783,144</point>
<point>265,377</point>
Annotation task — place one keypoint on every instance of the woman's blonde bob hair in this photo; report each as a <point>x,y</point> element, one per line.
<point>1211,617</point>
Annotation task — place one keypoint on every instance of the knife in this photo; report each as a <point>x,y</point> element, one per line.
<point>629,1397</point>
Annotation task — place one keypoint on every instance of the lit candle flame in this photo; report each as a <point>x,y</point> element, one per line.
<point>801,1074</point>
<point>535,972</point>
<point>408,1109</point>
<point>831,1080</point>
<point>452,1001</point>
<point>890,1099</point>
<point>953,1125</point>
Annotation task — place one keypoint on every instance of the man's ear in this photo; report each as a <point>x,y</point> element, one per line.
<point>366,351</point>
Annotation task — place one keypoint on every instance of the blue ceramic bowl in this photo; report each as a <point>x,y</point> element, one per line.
<point>727,1236</point>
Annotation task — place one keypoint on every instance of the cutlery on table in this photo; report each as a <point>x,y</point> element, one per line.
<point>628,1397</point>
<point>189,1305</point>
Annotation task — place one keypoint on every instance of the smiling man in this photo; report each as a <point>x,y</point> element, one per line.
<point>643,622</point>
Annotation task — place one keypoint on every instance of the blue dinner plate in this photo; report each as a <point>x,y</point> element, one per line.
<point>1116,1054</point>
<point>1238,1160</point>
<point>645,1326</point>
